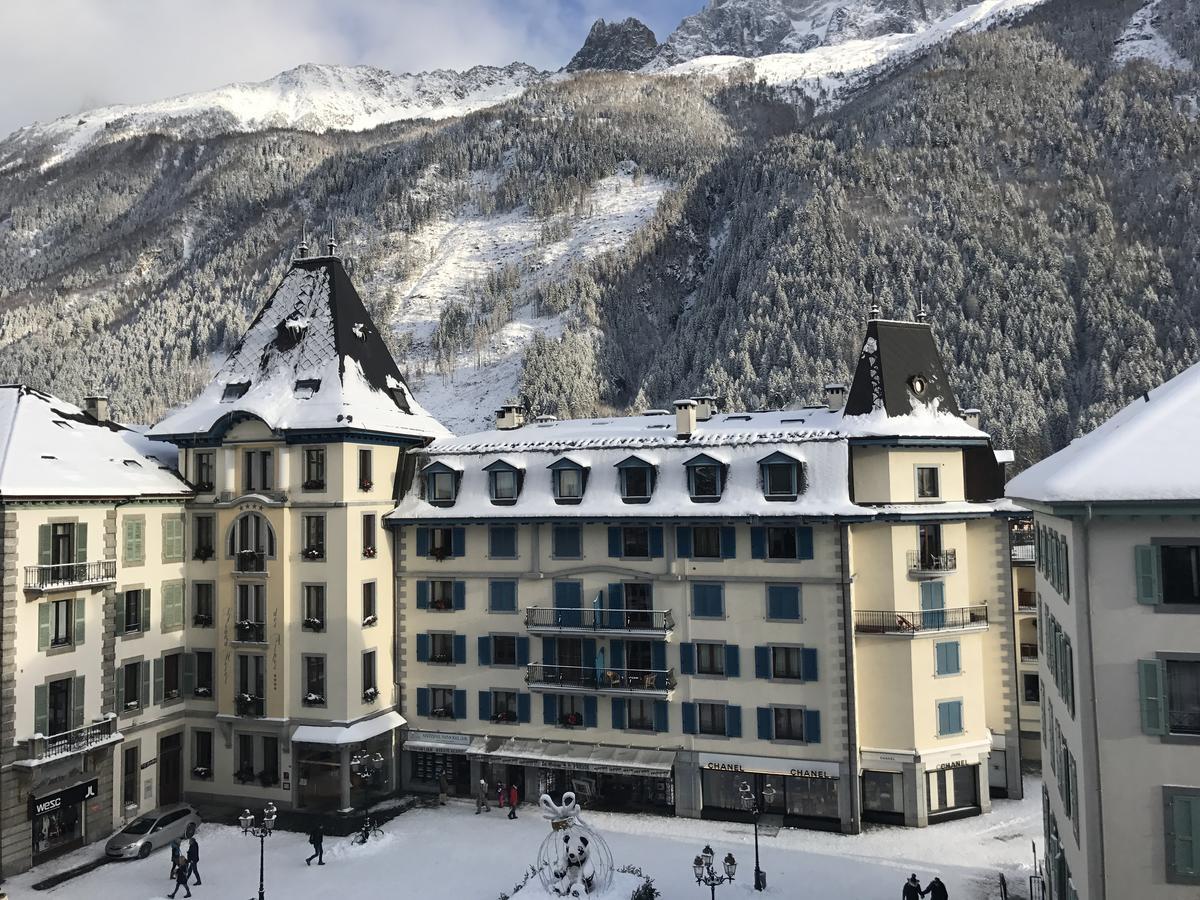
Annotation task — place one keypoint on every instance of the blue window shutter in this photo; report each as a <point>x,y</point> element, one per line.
<point>460,595</point>
<point>689,718</point>
<point>523,707</point>
<point>956,711</point>
<point>458,541</point>
<point>422,701</point>
<point>808,663</point>
<point>762,662</point>
<point>549,651</point>
<point>422,542</point>
<point>617,652</point>
<point>1147,574</point>
<point>943,718</point>
<point>940,654</point>
<point>728,542</point>
<point>422,595</point>
<point>522,651</point>
<point>588,653</point>
<point>549,709</point>
<point>618,713</point>
<point>616,605</point>
<point>804,542</point>
<point>812,726</point>
<point>758,542</point>
<point>485,706</point>
<point>953,660</point>
<point>589,712</point>
<point>460,649</point>
<point>662,723</point>
<point>460,705</point>
<point>422,648</point>
<point>485,650</point>
<point>783,601</point>
<point>733,721</point>
<point>656,541</point>
<point>658,655</point>
<point>614,541</point>
<point>683,541</point>
<point>687,659</point>
<point>733,665</point>
<point>766,723</point>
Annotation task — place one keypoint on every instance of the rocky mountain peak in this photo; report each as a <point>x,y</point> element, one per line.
<point>624,45</point>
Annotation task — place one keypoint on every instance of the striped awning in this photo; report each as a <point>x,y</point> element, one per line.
<point>646,762</point>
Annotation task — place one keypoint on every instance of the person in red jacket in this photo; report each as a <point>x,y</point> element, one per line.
<point>513,800</point>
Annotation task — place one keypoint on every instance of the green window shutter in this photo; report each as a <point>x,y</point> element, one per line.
<point>120,613</point>
<point>188,677</point>
<point>158,680</point>
<point>127,535</point>
<point>1185,835</point>
<point>44,553</point>
<point>172,606</point>
<point>1151,681</point>
<point>81,547</point>
<point>80,621</point>
<point>41,709</point>
<point>145,609</point>
<point>144,699</point>
<point>44,626</point>
<point>120,689</point>
<point>78,700</point>
<point>1074,789</point>
<point>1147,574</point>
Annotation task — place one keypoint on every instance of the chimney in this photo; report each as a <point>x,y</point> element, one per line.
<point>685,418</point>
<point>97,408</point>
<point>971,417</point>
<point>706,407</point>
<point>835,396</point>
<point>510,416</point>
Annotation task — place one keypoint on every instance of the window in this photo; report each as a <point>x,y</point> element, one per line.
<point>571,709</point>
<point>202,604</point>
<point>1183,696</point>
<point>172,606</point>
<point>949,717</point>
<point>369,615</point>
<point>58,707</point>
<point>502,542</point>
<point>1180,574</point>
<point>568,483</point>
<point>635,542</point>
<point>441,647</point>
<point>779,481</point>
<point>789,723</point>
<point>1031,685</point>
<point>204,673</point>
<point>314,606</point>
<point>504,706</point>
<point>62,617</point>
<point>636,482</point>
<point>783,602</point>
<point>203,540</point>
<point>245,758</point>
<point>929,546</point>
<point>314,681</point>
<point>234,390</point>
<point>368,671</point>
<point>946,658</point>
<point>314,469</point>
<point>504,650</point>
<point>439,487</point>
<point>251,540</point>
<point>441,543</point>
<point>504,483</point>
<point>131,683</point>
<point>314,537</point>
<point>785,662</point>
<point>711,718</point>
<point>704,482</point>
<point>206,470</point>
<point>130,775</point>
<point>1181,817</point>
<point>706,542</point>
<point>172,688</point>
<point>708,601</point>
<point>781,543</point>
<point>710,659</point>
<point>135,540</point>
<point>251,603</point>
<point>927,483</point>
<point>641,714</point>
<point>250,675</point>
<point>172,538</point>
<point>368,535</point>
<point>441,595</point>
<point>202,750</point>
<point>133,611</point>
<point>365,482</point>
<point>502,596</point>
<point>258,470</point>
<point>441,702</point>
<point>567,542</point>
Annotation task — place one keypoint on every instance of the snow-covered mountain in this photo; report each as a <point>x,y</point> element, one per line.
<point>309,97</point>
<point>627,45</point>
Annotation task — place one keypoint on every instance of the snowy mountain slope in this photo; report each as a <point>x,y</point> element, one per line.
<point>828,74</point>
<point>310,97</point>
<point>1142,40</point>
<point>459,253</point>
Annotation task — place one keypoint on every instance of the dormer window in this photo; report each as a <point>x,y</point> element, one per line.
<point>706,478</point>
<point>783,477</point>
<point>504,483</point>
<point>441,484</point>
<point>569,480</point>
<point>234,390</point>
<point>637,480</point>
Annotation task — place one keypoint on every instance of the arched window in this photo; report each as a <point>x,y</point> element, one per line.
<point>251,533</point>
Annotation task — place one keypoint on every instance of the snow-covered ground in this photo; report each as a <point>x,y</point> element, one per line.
<point>452,854</point>
<point>1142,40</point>
<point>457,254</point>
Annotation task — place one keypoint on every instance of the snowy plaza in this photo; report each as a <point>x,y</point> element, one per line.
<point>452,854</point>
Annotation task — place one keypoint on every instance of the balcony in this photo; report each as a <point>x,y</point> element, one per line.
<point>931,564</point>
<point>250,562</point>
<point>911,624</point>
<point>653,623</point>
<point>66,576</point>
<point>250,706</point>
<point>614,682</point>
<point>41,749</point>
<point>247,632</point>
<point>1029,653</point>
<point>1026,601</point>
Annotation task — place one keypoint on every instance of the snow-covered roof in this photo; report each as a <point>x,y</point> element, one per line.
<point>311,360</point>
<point>1147,451</point>
<point>51,448</point>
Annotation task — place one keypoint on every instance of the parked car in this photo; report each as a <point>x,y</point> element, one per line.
<point>153,830</point>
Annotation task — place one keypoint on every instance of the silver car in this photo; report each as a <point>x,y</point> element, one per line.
<point>153,830</point>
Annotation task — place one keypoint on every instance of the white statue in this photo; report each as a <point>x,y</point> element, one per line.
<point>573,861</point>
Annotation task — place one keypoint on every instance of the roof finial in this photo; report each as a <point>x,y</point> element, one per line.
<point>332,237</point>
<point>921,313</point>
<point>302,250</point>
<point>876,311</point>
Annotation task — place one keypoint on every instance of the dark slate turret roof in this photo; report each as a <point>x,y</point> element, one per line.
<point>899,366</point>
<point>312,360</point>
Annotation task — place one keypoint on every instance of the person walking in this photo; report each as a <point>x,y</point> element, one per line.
<point>316,837</point>
<point>481,797</point>
<point>912,889</point>
<point>181,879</point>
<point>513,800</point>
<point>443,787</point>
<point>500,795</point>
<point>176,856</point>
<point>936,890</point>
<point>193,859</point>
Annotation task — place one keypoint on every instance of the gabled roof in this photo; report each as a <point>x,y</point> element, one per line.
<point>778,457</point>
<point>312,359</point>
<point>51,448</point>
<point>1147,451</point>
<point>899,366</point>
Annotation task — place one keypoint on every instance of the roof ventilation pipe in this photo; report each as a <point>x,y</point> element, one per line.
<point>685,419</point>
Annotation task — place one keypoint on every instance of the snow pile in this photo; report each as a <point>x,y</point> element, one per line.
<point>1142,40</point>
<point>622,887</point>
<point>925,420</point>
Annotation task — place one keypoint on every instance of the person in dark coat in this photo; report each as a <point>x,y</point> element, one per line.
<point>513,800</point>
<point>316,837</point>
<point>481,798</point>
<point>936,890</point>
<point>501,795</point>
<point>912,889</point>
<point>181,879</point>
<point>193,859</point>
<point>443,787</point>
<point>176,856</point>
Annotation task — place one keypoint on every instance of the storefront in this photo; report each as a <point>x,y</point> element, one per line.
<point>804,793</point>
<point>953,790</point>
<point>883,797</point>
<point>58,820</point>
<point>428,755</point>
<point>345,767</point>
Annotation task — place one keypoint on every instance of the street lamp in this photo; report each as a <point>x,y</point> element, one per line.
<point>750,803</point>
<point>703,870</point>
<point>259,831</point>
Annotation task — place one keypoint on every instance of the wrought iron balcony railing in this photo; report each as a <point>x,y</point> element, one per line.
<point>65,743</point>
<point>542,618</point>
<point>1026,600</point>
<point>1029,652</point>
<point>876,621</point>
<point>921,563</point>
<point>249,705</point>
<point>251,561</point>
<point>656,682</point>
<point>69,575</point>
<point>250,632</point>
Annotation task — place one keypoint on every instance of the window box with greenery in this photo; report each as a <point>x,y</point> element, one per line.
<point>244,775</point>
<point>370,621</point>
<point>204,554</point>
<point>442,712</point>
<point>202,773</point>
<point>202,692</point>
<point>313,553</point>
<point>249,631</point>
<point>504,716</point>
<point>312,623</point>
<point>202,620</point>
<point>570,720</point>
<point>368,553</point>
<point>370,695</point>
<point>313,485</point>
<point>313,699</point>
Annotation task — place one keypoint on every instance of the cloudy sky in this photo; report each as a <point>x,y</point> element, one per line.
<point>59,57</point>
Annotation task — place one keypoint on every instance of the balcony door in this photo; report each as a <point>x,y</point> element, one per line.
<point>170,769</point>
<point>58,707</point>
<point>929,545</point>
<point>252,603</point>
<point>250,674</point>
<point>933,604</point>
<point>252,534</point>
<point>62,544</point>
<point>568,605</point>
<point>639,600</point>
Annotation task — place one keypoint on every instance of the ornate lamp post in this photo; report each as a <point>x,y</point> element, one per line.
<point>750,804</point>
<point>259,831</point>
<point>702,868</point>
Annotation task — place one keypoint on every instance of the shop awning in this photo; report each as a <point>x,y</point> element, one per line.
<point>579,757</point>
<point>349,734</point>
<point>440,742</point>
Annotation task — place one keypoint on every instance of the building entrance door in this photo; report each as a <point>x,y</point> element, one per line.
<point>170,769</point>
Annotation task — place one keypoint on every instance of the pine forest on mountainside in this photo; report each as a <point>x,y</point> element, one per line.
<point>1039,200</point>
